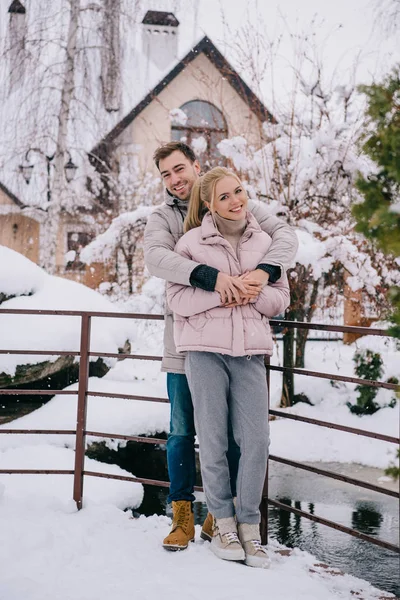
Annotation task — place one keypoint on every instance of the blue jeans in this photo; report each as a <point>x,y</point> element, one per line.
<point>181,455</point>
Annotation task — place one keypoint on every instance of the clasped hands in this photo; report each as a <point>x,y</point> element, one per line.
<point>239,290</point>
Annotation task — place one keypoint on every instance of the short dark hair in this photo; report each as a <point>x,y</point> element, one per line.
<point>167,149</point>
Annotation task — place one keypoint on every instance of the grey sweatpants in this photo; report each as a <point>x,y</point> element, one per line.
<point>222,385</point>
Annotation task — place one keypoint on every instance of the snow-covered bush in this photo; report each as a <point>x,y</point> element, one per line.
<point>306,172</point>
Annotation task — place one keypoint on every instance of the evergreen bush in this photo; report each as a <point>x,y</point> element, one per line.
<point>368,366</point>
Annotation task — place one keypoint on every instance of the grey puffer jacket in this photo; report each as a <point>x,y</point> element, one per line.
<point>163,230</point>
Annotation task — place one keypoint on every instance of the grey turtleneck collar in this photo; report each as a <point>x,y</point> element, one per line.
<point>231,230</point>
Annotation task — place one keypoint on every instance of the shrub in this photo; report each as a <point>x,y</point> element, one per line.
<point>368,366</point>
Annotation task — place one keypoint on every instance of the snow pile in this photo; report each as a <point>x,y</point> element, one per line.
<point>106,415</point>
<point>18,275</point>
<point>26,332</point>
<point>100,552</point>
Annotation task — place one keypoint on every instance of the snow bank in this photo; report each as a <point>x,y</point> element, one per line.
<point>18,275</point>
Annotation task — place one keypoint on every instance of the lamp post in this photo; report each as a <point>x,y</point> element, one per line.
<point>27,169</point>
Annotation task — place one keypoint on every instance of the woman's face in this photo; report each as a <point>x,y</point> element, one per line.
<point>230,201</point>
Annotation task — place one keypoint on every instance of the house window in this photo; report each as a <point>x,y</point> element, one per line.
<point>203,129</point>
<point>75,242</point>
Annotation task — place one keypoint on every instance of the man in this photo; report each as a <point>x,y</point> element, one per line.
<point>179,169</point>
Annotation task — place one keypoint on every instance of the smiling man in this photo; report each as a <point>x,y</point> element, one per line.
<point>179,169</point>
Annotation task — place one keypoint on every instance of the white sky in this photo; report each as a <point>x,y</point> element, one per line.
<point>345,31</point>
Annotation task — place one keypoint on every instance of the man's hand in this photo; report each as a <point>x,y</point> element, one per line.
<point>233,289</point>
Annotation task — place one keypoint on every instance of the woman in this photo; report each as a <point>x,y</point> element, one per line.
<point>225,347</point>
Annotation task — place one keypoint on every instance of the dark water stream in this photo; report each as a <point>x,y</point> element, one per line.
<point>363,510</point>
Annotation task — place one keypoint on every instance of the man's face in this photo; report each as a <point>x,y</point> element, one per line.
<point>179,174</point>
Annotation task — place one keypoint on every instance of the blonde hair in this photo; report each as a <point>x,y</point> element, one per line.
<point>204,191</point>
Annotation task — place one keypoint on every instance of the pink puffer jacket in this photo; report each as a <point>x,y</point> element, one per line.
<point>201,323</point>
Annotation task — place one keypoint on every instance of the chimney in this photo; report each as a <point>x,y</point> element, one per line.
<point>160,38</point>
<point>17,36</point>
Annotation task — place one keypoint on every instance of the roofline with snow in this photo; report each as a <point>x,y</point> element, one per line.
<point>206,47</point>
<point>12,196</point>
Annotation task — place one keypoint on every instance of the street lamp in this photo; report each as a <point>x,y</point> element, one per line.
<point>27,168</point>
<point>70,170</point>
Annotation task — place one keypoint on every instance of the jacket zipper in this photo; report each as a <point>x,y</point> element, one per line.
<point>176,204</point>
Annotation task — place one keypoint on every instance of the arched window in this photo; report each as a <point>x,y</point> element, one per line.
<point>202,126</point>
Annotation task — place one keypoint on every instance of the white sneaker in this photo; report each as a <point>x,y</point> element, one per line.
<point>255,554</point>
<point>225,542</point>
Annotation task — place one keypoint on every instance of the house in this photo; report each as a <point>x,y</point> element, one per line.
<point>132,93</point>
<point>168,89</point>
<point>18,231</point>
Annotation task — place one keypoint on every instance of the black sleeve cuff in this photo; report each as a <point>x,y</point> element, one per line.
<point>204,277</point>
<point>273,271</point>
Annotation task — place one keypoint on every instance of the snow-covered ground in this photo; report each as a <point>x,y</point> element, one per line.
<point>50,551</point>
<point>53,551</point>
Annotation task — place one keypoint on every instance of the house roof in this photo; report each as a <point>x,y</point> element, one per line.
<point>206,47</point>
<point>157,17</point>
<point>35,101</point>
<point>12,196</point>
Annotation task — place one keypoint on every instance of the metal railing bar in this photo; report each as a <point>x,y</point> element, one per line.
<point>336,328</point>
<point>80,313</point>
<point>16,392</point>
<point>367,382</point>
<point>142,480</point>
<point>41,352</point>
<point>333,525</point>
<point>40,431</point>
<point>128,397</point>
<point>80,438</point>
<point>151,317</point>
<point>132,438</point>
<point>337,476</point>
<point>35,472</point>
<point>120,356</point>
<point>362,432</point>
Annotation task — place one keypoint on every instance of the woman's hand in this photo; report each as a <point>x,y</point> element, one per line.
<point>250,293</point>
<point>254,282</point>
<point>232,289</point>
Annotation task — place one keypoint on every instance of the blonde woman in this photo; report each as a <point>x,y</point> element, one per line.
<point>225,345</point>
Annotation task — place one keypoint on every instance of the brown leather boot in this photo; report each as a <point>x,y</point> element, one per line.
<point>182,531</point>
<point>207,529</point>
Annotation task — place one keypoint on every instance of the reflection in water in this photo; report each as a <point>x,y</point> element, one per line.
<point>366,518</point>
<point>351,555</point>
